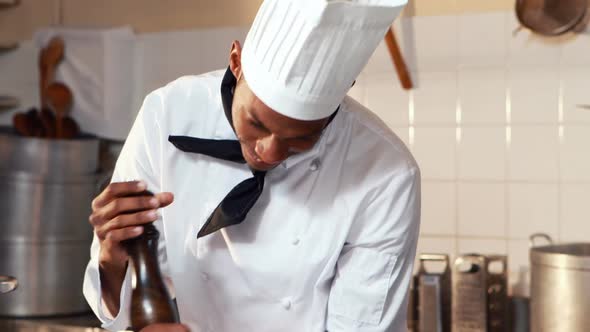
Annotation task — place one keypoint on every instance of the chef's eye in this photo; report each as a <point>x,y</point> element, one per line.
<point>256,124</point>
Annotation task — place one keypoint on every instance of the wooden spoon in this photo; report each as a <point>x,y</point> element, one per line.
<point>55,53</point>
<point>22,125</point>
<point>59,99</point>
<point>398,60</point>
<point>49,58</point>
<point>48,121</point>
<point>70,128</point>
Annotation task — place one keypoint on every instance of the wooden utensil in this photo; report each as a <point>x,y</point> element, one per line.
<point>22,125</point>
<point>59,99</point>
<point>49,58</point>
<point>398,60</point>
<point>70,128</point>
<point>28,123</point>
<point>48,121</point>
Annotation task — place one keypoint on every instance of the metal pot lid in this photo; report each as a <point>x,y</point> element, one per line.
<point>570,255</point>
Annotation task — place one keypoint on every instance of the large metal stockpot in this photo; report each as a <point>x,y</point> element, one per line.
<point>46,189</point>
<point>560,286</point>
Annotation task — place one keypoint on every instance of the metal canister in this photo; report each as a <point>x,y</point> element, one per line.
<point>46,187</point>
<point>434,295</point>
<point>560,286</point>
<point>479,295</point>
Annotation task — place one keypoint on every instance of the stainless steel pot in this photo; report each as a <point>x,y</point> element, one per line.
<point>46,188</point>
<point>560,286</point>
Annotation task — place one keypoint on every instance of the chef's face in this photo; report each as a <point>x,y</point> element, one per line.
<point>267,137</point>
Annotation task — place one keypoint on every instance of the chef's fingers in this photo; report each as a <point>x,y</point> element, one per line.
<point>114,237</point>
<point>125,221</point>
<point>127,205</point>
<point>117,189</point>
<point>165,328</point>
<point>165,198</point>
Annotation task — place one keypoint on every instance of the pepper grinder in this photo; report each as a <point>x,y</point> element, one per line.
<point>150,301</point>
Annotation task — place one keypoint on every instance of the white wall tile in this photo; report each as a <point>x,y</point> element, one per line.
<point>533,209</point>
<point>403,133</point>
<point>435,150</point>
<point>477,50</point>
<point>438,208</point>
<point>575,153</point>
<point>381,62</point>
<point>481,209</point>
<point>534,95</point>
<point>482,153</point>
<point>519,267</point>
<point>435,98</point>
<point>529,49</point>
<point>386,98</point>
<point>575,213</point>
<point>436,42</point>
<point>576,91</point>
<point>533,153</point>
<point>577,49</point>
<point>482,95</point>
<point>481,246</point>
<point>435,245</point>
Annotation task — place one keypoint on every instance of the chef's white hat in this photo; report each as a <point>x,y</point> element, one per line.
<point>301,56</point>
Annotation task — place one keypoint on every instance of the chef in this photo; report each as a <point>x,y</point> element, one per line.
<point>282,204</point>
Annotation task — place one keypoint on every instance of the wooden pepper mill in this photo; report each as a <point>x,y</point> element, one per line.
<point>150,301</point>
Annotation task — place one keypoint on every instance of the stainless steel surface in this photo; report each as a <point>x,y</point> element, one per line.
<point>412,316</point>
<point>434,295</point>
<point>497,293</point>
<point>59,159</point>
<point>560,287</point>
<point>469,309</point>
<point>480,299</point>
<point>47,191</point>
<point>430,311</point>
<point>77,323</point>
<point>7,284</point>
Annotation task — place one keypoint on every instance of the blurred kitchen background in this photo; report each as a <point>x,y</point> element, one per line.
<point>498,119</point>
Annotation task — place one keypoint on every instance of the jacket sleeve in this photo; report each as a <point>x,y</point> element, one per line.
<point>370,288</point>
<point>139,160</point>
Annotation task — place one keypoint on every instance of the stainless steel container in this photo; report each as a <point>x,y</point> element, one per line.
<point>479,294</point>
<point>560,286</point>
<point>46,188</point>
<point>434,295</point>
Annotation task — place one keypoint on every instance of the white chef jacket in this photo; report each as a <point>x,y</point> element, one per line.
<point>329,245</point>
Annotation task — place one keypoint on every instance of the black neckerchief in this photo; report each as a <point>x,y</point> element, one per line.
<point>237,203</point>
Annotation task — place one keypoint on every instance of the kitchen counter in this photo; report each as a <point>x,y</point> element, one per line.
<point>78,323</point>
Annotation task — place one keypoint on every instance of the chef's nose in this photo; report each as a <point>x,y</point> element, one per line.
<point>271,150</point>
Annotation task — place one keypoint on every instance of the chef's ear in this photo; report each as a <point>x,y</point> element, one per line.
<point>235,59</point>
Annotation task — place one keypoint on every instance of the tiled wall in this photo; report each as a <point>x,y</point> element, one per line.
<point>493,123</point>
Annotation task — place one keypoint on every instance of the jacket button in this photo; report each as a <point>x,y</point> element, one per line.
<point>295,242</point>
<point>315,164</point>
<point>286,303</point>
<point>205,276</point>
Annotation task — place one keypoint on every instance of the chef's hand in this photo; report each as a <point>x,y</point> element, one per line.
<point>165,328</point>
<point>116,216</point>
